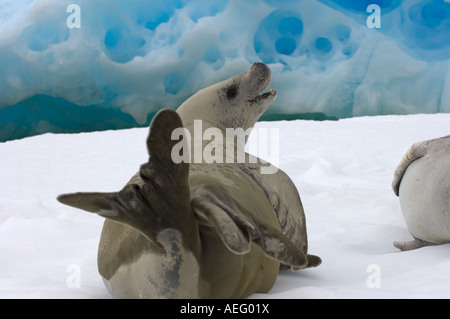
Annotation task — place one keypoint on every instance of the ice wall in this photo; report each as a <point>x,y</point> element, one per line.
<point>68,66</point>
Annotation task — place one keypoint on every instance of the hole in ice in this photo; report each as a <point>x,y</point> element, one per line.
<point>323,44</point>
<point>285,45</point>
<point>112,37</point>
<point>290,26</point>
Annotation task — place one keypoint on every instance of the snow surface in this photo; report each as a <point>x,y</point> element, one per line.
<point>343,170</point>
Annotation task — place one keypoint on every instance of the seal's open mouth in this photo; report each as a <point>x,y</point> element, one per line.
<point>263,96</point>
<point>271,92</point>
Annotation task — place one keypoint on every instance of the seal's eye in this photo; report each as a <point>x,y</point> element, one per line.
<point>232,93</point>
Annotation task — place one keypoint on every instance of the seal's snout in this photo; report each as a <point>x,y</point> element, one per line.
<point>262,69</point>
<point>259,65</point>
<point>259,76</point>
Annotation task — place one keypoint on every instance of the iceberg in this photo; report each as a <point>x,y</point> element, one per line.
<point>84,65</point>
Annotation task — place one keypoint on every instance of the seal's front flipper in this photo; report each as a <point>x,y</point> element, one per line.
<point>313,261</point>
<point>158,197</point>
<point>279,247</point>
<point>416,151</point>
<point>214,206</point>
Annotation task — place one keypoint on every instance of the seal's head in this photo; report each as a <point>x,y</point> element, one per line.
<point>234,103</point>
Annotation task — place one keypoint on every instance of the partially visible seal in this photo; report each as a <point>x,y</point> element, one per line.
<point>422,182</point>
<point>180,229</point>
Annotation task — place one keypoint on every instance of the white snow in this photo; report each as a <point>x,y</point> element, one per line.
<point>343,170</point>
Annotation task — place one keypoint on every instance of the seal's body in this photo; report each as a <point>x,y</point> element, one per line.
<point>422,182</point>
<point>182,229</point>
<point>201,265</point>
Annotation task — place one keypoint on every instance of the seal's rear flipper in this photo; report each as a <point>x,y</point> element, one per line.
<point>99,203</point>
<point>214,206</point>
<point>160,198</point>
<point>413,244</point>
